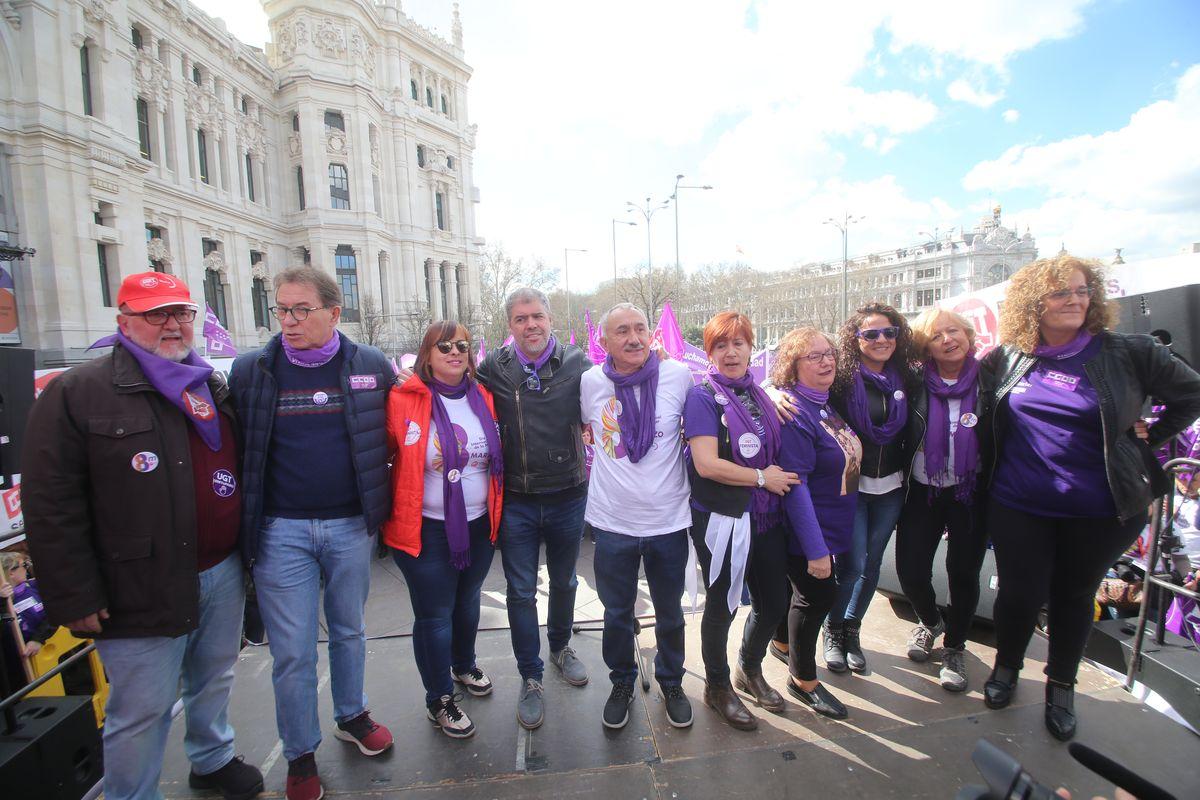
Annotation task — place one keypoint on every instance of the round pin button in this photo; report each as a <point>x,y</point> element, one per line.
<point>968,420</point>
<point>721,399</point>
<point>454,476</point>
<point>320,398</point>
<point>898,394</point>
<point>749,444</point>
<point>824,414</point>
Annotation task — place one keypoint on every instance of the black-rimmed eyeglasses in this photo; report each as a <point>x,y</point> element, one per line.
<point>299,313</point>
<point>159,317</point>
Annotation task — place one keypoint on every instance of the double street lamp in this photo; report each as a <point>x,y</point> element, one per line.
<point>675,197</point>
<point>844,226</point>
<point>567,279</point>
<point>648,212</point>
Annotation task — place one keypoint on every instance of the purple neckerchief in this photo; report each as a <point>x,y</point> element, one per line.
<point>183,383</point>
<point>636,422</point>
<point>458,534</point>
<point>859,410</point>
<point>1061,351</point>
<point>813,395</point>
<point>937,432</point>
<point>740,422</point>
<point>314,356</point>
<point>532,365</point>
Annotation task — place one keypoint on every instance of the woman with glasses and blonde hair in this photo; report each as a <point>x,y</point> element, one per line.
<point>871,393</point>
<point>825,454</point>
<point>949,421</point>
<point>447,485</point>
<point>1071,480</point>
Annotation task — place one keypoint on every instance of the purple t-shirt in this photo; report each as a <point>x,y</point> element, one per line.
<point>1053,460</point>
<point>822,449</point>
<point>702,417</point>
<point>27,602</point>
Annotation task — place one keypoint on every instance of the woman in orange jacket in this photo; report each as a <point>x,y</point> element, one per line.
<point>445,513</point>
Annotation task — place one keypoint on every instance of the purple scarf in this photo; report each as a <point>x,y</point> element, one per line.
<point>457,532</point>
<point>859,410</point>
<point>937,432</point>
<point>1061,351</point>
<point>812,395</point>
<point>533,366</point>
<point>636,422</point>
<point>314,356</point>
<point>183,383</point>
<point>740,423</point>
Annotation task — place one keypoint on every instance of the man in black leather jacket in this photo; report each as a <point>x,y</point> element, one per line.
<point>535,382</point>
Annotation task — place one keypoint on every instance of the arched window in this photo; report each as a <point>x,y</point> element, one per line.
<point>412,87</point>
<point>445,106</point>
<point>420,155</point>
<point>296,123</point>
<point>440,210</point>
<point>429,97</point>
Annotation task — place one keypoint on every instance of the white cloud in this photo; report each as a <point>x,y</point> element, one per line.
<point>1011,115</point>
<point>1136,187</point>
<point>962,91</point>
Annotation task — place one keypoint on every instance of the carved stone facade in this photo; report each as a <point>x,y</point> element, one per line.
<point>187,151</point>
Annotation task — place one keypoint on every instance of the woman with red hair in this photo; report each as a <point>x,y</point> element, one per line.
<point>737,519</point>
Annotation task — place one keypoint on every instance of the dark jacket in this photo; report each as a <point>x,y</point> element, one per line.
<point>102,534</point>
<point>918,419</point>
<point>878,461</point>
<point>540,431</point>
<point>1128,370</point>
<point>252,381</point>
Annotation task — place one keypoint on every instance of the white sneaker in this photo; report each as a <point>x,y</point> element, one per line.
<point>445,713</point>
<point>474,681</point>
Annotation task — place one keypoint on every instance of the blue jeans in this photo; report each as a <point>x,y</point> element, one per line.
<point>858,570</point>
<point>665,561</point>
<point>294,556</point>
<point>445,603</point>
<point>144,674</point>
<point>523,528</point>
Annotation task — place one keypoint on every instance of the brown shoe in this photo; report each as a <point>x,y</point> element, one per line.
<point>725,702</point>
<point>753,684</point>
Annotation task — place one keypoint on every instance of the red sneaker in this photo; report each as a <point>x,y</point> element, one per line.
<point>368,736</point>
<point>303,783</point>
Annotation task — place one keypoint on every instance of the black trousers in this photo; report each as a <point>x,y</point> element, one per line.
<point>1059,559</point>
<point>766,577</point>
<point>922,522</point>
<point>811,600</point>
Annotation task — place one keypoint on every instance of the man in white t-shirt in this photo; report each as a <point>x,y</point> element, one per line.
<point>638,504</point>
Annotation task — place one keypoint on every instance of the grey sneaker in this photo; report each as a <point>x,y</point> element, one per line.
<point>474,681</point>
<point>920,641</point>
<point>953,676</point>
<point>572,669</point>
<point>531,710</point>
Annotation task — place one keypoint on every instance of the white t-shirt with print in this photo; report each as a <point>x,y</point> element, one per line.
<point>649,498</point>
<point>475,475</point>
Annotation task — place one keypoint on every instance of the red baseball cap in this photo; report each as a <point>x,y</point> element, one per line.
<point>147,291</point>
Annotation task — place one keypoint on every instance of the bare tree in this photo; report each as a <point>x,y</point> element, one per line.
<point>373,326</point>
<point>649,289</point>
<point>499,275</point>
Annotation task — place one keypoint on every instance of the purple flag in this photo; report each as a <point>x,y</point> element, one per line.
<point>667,333</point>
<point>482,350</point>
<point>216,339</point>
<point>595,351</point>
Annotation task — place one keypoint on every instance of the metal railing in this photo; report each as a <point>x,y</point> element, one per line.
<point>1165,577</point>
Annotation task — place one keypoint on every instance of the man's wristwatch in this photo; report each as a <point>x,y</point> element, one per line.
<point>761,480</point>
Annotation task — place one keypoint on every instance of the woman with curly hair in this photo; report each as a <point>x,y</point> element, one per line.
<point>1071,479</point>
<point>824,453</point>
<point>871,393</point>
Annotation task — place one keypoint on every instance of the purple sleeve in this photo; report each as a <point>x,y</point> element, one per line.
<point>700,413</point>
<point>798,454</point>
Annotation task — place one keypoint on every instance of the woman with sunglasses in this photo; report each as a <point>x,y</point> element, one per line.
<point>1072,480</point>
<point>447,478</point>
<point>949,425</point>
<point>825,454</point>
<point>871,393</point>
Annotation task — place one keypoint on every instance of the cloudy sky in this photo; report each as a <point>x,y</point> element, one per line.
<point>1081,118</point>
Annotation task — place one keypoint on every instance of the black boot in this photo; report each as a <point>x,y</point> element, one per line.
<point>854,654</point>
<point>834,637</point>
<point>1000,686</point>
<point>1060,710</point>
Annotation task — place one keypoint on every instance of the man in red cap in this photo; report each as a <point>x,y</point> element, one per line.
<point>132,503</point>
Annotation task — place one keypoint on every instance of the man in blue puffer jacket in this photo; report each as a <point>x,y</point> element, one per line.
<point>315,491</point>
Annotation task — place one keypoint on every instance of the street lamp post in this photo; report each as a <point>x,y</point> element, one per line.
<point>675,197</point>
<point>844,226</point>
<point>647,213</point>
<point>567,279</point>
<point>616,222</point>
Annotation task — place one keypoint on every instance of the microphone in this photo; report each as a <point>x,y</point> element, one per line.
<point>1118,775</point>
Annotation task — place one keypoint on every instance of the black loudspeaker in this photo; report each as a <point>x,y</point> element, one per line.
<point>16,398</point>
<point>1174,311</point>
<point>54,753</point>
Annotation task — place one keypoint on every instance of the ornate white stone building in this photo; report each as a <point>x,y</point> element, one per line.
<point>910,278</point>
<point>140,134</point>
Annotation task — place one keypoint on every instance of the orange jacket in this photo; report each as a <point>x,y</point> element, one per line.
<point>409,420</point>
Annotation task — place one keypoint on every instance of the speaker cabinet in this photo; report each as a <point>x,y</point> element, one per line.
<point>1175,311</point>
<point>54,753</point>
<point>16,398</point>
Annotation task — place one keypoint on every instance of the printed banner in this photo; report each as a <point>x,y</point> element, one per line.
<point>217,341</point>
<point>10,332</point>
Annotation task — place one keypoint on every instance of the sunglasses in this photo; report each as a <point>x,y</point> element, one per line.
<point>871,334</point>
<point>445,347</point>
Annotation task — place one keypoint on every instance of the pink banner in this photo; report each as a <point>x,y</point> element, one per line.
<point>216,339</point>
<point>667,334</point>
<point>595,351</point>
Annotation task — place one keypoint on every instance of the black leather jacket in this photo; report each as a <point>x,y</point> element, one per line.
<point>539,431</point>
<point>1129,370</point>
<point>918,418</point>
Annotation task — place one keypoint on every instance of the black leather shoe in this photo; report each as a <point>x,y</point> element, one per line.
<point>725,702</point>
<point>1060,710</point>
<point>751,682</point>
<point>237,780</point>
<point>1000,687</point>
<point>819,700</point>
